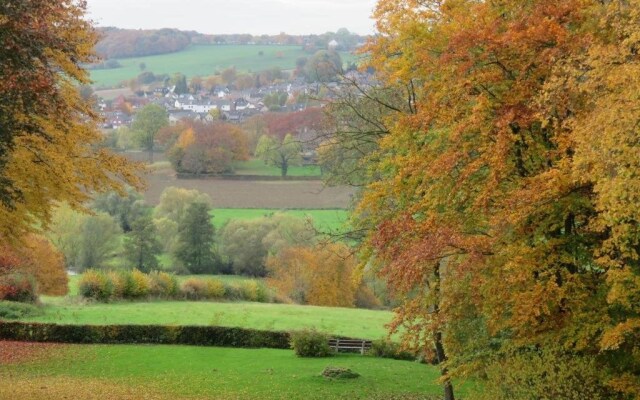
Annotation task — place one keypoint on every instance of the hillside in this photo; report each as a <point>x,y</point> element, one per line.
<point>204,60</point>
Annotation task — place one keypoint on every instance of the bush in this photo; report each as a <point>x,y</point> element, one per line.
<point>120,334</point>
<point>141,284</point>
<point>14,310</point>
<point>215,289</point>
<point>339,373</point>
<point>95,285</point>
<point>310,343</point>
<point>194,289</point>
<point>163,285</point>
<point>119,283</point>
<point>254,291</point>
<point>233,292</point>
<point>387,349</point>
<point>18,287</point>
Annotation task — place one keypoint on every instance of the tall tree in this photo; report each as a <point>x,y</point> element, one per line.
<point>195,248</point>
<point>506,206</point>
<point>46,130</point>
<point>146,125</point>
<point>141,246</point>
<point>279,154</point>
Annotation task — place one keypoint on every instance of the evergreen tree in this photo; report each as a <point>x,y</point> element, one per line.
<point>142,246</point>
<point>195,247</point>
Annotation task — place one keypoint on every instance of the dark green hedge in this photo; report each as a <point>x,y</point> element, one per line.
<point>159,334</point>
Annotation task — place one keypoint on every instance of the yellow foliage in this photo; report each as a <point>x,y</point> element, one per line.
<point>322,276</point>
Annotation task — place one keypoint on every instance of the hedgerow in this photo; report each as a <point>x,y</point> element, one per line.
<point>153,334</point>
<point>136,285</point>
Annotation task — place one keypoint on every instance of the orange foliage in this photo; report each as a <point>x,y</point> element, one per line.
<point>322,276</point>
<point>38,258</point>
<point>507,204</point>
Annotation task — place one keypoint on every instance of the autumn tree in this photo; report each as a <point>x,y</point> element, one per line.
<point>324,66</point>
<point>37,259</point>
<point>146,125</point>
<point>46,130</point>
<point>208,148</point>
<point>322,276</point>
<point>279,154</point>
<point>246,244</point>
<point>505,206</point>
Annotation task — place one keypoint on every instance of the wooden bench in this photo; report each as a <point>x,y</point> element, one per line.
<point>350,345</point>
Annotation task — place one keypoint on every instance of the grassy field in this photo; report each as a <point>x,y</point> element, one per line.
<point>179,372</point>
<point>257,167</point>
<point>281,317</point>
<point>205,60</point>
<point>323,220</point>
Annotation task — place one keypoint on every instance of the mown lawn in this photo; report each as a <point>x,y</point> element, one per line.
<point>258,167</point>
<point>179,372</point>
<point>340,321</point>
<point>323,220</point>
<point>206,60</point>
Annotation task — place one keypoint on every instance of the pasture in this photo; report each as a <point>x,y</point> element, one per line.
<point>206,60</point>
<point>257,167</point>
<point>56,372</point>
<point>323,220</point>
<point>351,322</point>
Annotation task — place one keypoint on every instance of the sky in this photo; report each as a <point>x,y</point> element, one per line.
<point>236,16</point>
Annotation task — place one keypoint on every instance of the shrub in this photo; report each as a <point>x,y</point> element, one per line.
<point>190,335</point>
<point>194,289</point>
<point>339,373</point>
<point>310,343</point>
<point>254,291</point>
<point>215,289</point>
<point>387,349</point>
<point>141,284</point>
<point>95,285</point>
<point>233,292</point>
<point>163,284</point>
<point>134,284</point>
<point>18,287</point>
<point>14,310</point>
<point>118,283</point>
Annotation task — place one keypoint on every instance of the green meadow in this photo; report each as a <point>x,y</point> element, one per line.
<point>187,372</point>
<point>205,60</point>
<point>369,324</point>
<point>323,220</point>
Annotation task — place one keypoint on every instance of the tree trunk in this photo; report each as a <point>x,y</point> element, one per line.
<point>442,357</point>
<point>440,353</point>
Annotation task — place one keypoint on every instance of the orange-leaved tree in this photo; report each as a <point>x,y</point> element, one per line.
<point>506,207</point>
<point>322,275</point>
<point>47,132</point>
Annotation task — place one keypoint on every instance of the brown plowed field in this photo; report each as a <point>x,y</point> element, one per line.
<point>254,194</point>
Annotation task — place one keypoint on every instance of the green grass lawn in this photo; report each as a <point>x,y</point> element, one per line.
<point>179,372</point>
<point>279,317</point>
<point>323,220</point>
<point>258,167</point>
<point>205,60</point>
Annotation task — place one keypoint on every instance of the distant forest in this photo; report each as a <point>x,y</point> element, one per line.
<point>123,43</point>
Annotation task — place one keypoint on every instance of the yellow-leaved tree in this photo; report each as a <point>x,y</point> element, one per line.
<point>505,208</point>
